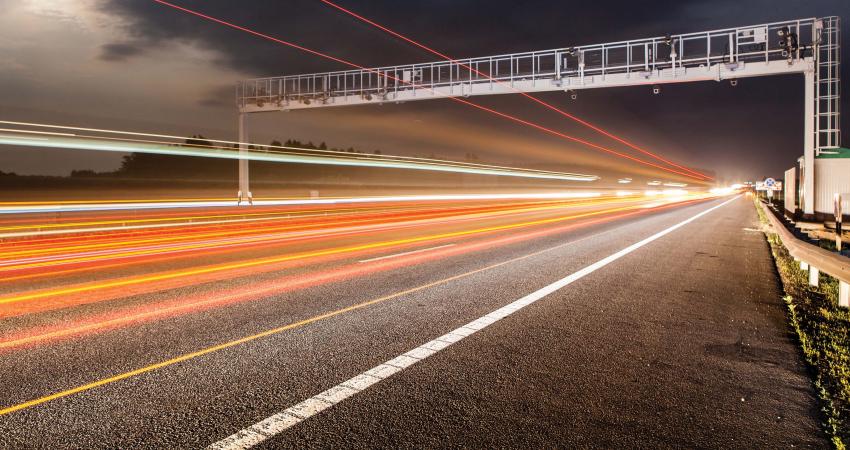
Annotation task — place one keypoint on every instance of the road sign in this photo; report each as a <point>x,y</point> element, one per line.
<point>769,185</point>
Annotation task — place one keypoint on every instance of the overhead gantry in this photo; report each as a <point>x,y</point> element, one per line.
<point>804,46</point>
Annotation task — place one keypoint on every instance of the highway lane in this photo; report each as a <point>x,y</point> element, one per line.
<point>352,316</point>
<point>692,350</point>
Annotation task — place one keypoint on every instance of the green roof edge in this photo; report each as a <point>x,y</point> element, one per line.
<point>833,153</point>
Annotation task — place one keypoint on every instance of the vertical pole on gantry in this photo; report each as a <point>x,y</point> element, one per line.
<point>244,185</point>
<point>808,175</point>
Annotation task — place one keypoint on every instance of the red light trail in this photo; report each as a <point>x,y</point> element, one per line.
<point>276,253</point>
<point>134,315</point>
<point>456,99</point>
<point>524,94</point>
<point>43,246</point>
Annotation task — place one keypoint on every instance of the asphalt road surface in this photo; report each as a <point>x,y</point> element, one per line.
<point>582,323</point>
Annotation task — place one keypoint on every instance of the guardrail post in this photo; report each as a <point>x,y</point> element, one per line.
<point>804,265</point>
<point>814,276</point>
<point>839,215</point>
<point>843,294</point>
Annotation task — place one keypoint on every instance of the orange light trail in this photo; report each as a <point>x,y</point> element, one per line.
<point>270,214</point>
<point>42,257</point>
<point>200,232</point>
<point>277,286</point>
<point>262,214</point>
<point>124,286</point>
<point>54,272</point>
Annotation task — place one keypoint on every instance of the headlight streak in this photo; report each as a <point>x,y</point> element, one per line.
<point>724,190</point>
<point>112,145</point>
<point>267,148</point>
<point>84,207</point>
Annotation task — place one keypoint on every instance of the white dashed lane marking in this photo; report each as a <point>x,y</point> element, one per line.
<point>395,255</point>
<point>293,415</point>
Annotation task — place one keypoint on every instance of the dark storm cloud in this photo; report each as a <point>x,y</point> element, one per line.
<point>461,28</point>
<point>153,25</point>
<point>119,52</point>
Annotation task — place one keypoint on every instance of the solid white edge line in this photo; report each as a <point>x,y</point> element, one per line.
<point>395,255</point>
<point>293,415</point>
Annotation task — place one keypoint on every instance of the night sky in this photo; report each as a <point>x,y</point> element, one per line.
<point>137,65</point>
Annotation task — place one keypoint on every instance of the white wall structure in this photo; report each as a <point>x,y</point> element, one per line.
<point>833,178</point>
<point>790,193</point>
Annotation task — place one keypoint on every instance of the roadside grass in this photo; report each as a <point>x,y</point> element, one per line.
<point>823,331</point>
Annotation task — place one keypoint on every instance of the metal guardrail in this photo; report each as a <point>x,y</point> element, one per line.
<point>814,259</point>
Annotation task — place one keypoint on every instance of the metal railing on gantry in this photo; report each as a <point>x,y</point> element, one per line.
<point>808,46</point>
<point>719,54</point>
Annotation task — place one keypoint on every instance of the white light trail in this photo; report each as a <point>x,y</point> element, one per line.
<point>77,143</point>
<point>83,207</point>
<point>266,149</point>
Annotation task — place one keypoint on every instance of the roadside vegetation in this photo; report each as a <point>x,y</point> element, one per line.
<point>823,331</point>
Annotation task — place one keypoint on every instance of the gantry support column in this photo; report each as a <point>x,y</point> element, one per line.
<point>807,197</point>
<point>244,184</point>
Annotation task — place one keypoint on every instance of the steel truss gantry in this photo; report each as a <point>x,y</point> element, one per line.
<point>808,46</point>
